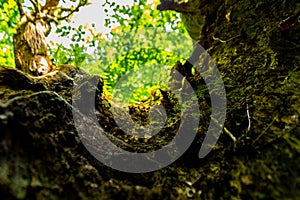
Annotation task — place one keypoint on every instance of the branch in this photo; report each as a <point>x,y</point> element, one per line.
<point>54,13</point>
<point>35,5</point>
<point>230,134</point>
<point>20,8</point>
<point>72,10</point>
<point>49,4</point>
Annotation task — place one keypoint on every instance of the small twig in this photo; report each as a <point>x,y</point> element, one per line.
<point>218,39</point>
<point>230,134</point>
<point>249,119</point>
<point>224,41</point>
<point>264,131</point>
<point>226,130</point>
<point>71,10</point>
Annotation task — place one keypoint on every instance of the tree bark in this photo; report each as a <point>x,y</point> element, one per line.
<point>30,47</point>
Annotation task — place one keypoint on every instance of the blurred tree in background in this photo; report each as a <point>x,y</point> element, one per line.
<point>106,55</point>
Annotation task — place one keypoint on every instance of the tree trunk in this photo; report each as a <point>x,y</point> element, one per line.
<point>30,47</point>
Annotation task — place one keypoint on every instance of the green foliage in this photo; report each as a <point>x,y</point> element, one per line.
<point>9,17</point>
<point>126,51</point>
<point>74,54</point>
